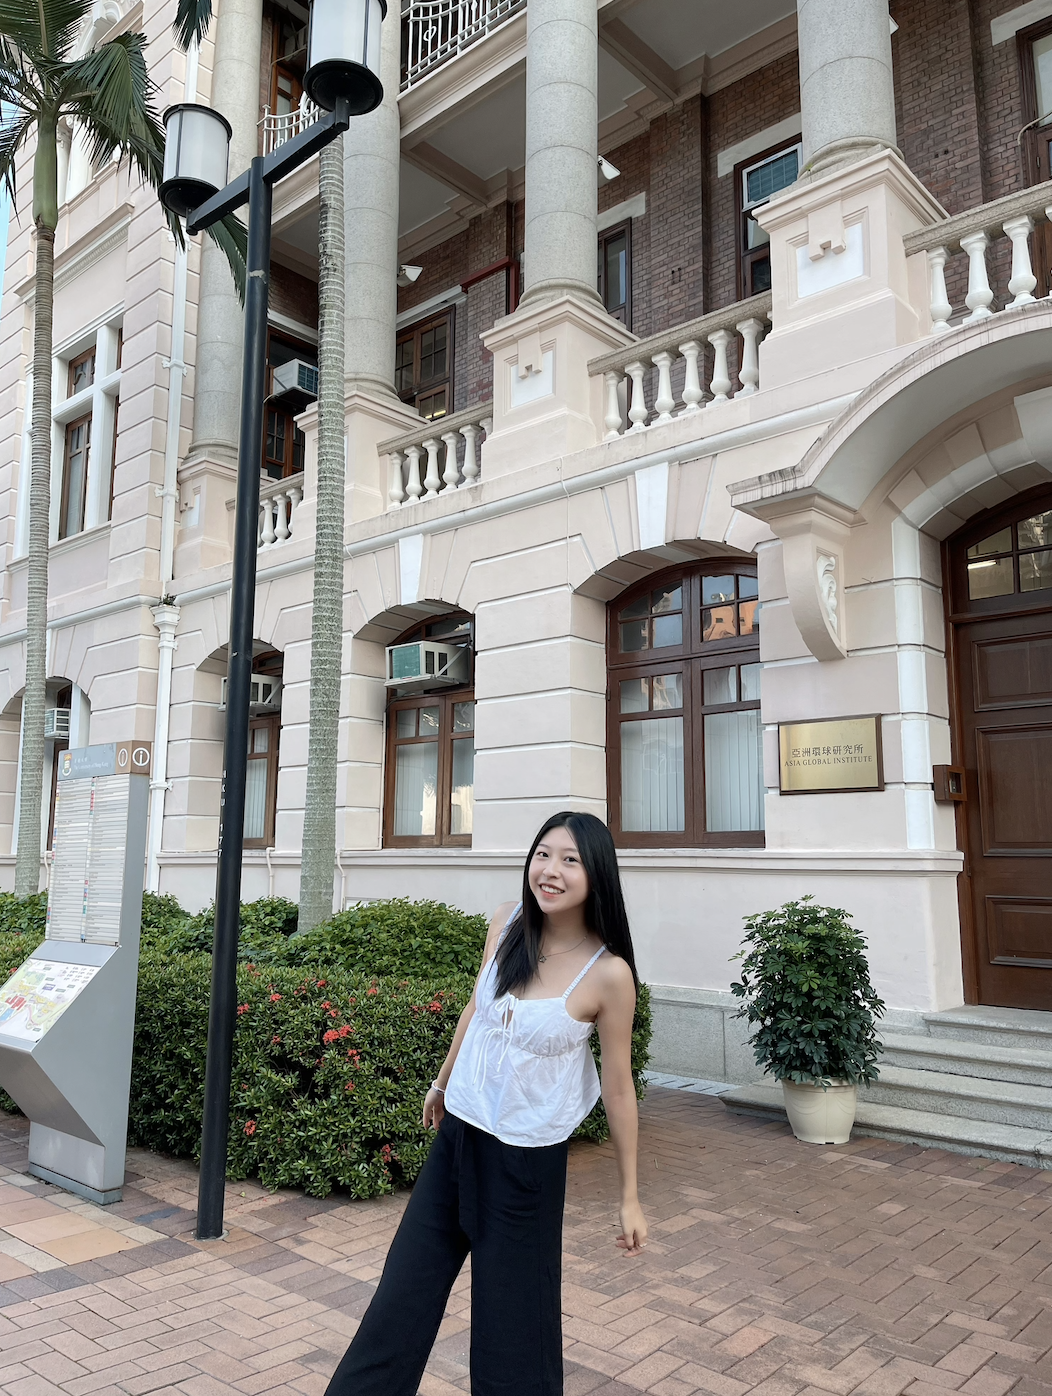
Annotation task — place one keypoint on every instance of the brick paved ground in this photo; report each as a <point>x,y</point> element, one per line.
<point>775,1268</point>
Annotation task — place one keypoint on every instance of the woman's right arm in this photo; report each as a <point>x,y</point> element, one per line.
<point>434,1101</point>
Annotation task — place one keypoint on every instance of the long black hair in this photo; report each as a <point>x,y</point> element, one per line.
<point>604,911</point>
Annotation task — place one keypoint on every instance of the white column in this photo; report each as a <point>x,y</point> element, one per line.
<point>847,97</point>
<point>562,57</point>
<point>370,167</point>
<point>220,319</point>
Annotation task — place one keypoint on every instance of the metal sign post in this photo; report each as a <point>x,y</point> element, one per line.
<point>67,1015</point>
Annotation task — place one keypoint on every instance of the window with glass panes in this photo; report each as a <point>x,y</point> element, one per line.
<point>615,271</point>
<point>261,783</point>
<point>755,182</point>
<point>283,442</point>
<point>1012,560</point>
<point>429,796</point>
<point>684,741</point>
<point>424,366</point>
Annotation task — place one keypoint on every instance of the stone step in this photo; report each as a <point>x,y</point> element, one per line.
<point>944,1093</point>
<point>965,1057</point>
<point>1009,1143</point>
<point>1028,1030</point>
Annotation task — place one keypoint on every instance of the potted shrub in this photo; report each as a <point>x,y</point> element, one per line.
<point>813,1010</point>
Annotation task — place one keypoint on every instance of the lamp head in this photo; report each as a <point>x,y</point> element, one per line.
<point>407,275</point>
<point>196,154</point>
<point>607,170</point>
<point>343,54</point>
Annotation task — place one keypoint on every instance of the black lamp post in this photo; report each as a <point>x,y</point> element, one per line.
<point>343,79</point>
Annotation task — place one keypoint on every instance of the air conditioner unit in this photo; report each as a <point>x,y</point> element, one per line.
<point>264,694</point>
<point>56,722</point>
<point>298,380</point>
<point>424,664</point>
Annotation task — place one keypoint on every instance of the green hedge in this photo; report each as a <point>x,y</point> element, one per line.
<point>331,1064</point>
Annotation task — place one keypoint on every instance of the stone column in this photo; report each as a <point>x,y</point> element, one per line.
<point>371,156</point>
<point>847,97</point>
<point>562,58</point>
<point>220,319</point>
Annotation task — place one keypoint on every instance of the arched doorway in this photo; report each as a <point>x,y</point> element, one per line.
<point>1000,603</point>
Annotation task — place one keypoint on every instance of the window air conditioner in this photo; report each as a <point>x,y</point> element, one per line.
<point>264,694</point>
<point>426,664</point>
<point>298,380</point>
<point>56,722</point>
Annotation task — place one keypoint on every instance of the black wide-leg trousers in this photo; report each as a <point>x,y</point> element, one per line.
<point>504,1205</point>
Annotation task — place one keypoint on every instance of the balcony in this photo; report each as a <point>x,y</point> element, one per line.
<point>434,31</point>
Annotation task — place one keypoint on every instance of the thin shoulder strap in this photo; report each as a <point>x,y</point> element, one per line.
<point>587,967</point>
<point>517,908</point>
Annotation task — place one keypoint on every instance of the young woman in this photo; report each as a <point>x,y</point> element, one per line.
<point>517,1081</point>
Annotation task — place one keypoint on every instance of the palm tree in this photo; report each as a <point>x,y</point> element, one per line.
<point>326,646</point>
<point>109,94</point>
<point>319,816</point>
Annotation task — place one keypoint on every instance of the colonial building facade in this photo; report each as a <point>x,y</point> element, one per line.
<point>745,425</point>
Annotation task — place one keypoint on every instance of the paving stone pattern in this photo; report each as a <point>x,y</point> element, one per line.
<point>775,1268</point>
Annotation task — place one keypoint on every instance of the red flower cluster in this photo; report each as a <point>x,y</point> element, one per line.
<point>275,998</point>
<point>335,1033</point>
<point>250,1128</point>
<point>322,983</point>
<point>354,1056</point>
<point>275,1040</point>
<point>349,1086</point>
<point>373,990</point>
<point>242,1008</point>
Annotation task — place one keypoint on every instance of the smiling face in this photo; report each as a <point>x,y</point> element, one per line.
<point>557,877</point>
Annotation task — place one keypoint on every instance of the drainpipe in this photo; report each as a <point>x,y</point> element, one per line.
<point>165,615</point>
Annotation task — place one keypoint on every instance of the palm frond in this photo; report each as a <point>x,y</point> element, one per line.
<point>231,236</point>
<point>111,92</point>
<point>192,18</point>
<point>13,134</point>
<point>43,28</point>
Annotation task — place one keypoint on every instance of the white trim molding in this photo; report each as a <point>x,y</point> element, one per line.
<point>635,207</point>
<point>1008,25</point>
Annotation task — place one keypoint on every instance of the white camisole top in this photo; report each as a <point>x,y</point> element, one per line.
<point>525,1072</point>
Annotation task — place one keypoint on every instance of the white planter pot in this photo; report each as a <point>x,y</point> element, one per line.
<point>821,1116</point>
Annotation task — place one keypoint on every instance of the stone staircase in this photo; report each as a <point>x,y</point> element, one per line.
<point>972,1080</point>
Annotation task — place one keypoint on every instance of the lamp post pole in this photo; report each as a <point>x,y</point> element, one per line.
<point>256,187</point>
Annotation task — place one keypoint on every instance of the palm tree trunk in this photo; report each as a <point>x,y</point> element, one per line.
<point>326,654</point>
<point>31,772</point>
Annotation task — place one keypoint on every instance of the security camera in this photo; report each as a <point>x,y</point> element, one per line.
<point>407,275</point>
<point>607,170</point>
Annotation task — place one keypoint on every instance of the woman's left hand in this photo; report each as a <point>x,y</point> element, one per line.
<point>633,1236</point>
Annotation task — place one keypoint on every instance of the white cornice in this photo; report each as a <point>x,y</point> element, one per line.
<point>83,255</point>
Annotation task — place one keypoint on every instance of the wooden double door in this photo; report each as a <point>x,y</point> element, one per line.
<point>1001,623</point>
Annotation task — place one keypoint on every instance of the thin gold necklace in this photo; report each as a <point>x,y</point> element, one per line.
<point>542,958</point>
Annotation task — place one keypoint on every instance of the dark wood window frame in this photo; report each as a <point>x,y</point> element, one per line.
<point>73,503</point>
<point>690,659</point>
<point>622,312</point>
<point>269,662</point>
<point>84,361</point>
<point>279,424</point>
<point>749,259</point>
<point>1035,146</point>
<point>445,700</point>
<point>417,390</point>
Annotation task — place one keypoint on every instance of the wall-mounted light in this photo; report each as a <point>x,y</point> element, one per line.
<point>407,275</point>
<point>196,151</point>
<point>343,54</point>
<point>607,170</point>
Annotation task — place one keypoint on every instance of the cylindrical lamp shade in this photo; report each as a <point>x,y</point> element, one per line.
<point>344,54</point>
<point>196,152</point>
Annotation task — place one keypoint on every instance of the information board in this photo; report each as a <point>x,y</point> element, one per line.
<point>90,841</point>
<point>37,995</point>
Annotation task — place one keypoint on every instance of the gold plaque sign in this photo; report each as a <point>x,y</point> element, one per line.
<point>835,755</point>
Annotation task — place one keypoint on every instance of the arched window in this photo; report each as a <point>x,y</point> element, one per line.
<point>684,742</point>
<point>429,791</point>
<point>264,735</point>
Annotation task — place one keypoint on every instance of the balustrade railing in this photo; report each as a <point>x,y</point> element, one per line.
<point>278,501</point>
<point>433,31</point>
<point>973,234</point>
<point>440,457</point>
<point>657,362</point>
<point>279,127</point>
